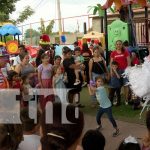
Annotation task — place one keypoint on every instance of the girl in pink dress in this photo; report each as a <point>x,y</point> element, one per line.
<point>45,79</point>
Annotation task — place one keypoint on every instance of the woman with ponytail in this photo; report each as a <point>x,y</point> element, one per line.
<point>59,135</point>
<point>10,136</point>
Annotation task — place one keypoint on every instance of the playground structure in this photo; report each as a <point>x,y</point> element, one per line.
<point>131,30</point>
<point>100,37</point>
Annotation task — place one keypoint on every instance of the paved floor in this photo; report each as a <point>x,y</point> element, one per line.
<point>126,129</point>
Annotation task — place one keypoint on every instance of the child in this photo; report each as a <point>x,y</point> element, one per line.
<point>3,81</point>
<point>31,141</point>
<point>45,77</point>
<point>44,72</point>
<point>129,143</point>
<point>57,60</point>
<point>105,104</point>
<point>134,58</point>
<point>13,79</point>
<point>79,59</point>
<point>58,84</point>
<point>25,90</point>
<point>93,139</point>
<point>115,83</point>
<point>146,140</point>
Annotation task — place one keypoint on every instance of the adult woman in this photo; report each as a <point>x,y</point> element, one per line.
<point>69,67</point>
<point>97,65</point>
<point>65,131</point>
<point>122,57</point>
<point>86,53</point>
<point>25,68</point>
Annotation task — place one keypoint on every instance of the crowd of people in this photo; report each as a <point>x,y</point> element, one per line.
<point>65,77</point>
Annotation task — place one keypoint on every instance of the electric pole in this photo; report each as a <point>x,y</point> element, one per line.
<point>59,18</point>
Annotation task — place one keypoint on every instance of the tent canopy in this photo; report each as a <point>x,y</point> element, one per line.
<point>9,29</point>
<point>95,35</point>
<point>119,3</point>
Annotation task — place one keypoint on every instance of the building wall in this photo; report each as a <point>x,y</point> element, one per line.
<point>139,22</point>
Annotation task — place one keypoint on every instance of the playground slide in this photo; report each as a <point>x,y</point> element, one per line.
<point>119,3</point>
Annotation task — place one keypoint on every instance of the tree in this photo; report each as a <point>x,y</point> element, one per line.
<point>98,10</point>
<point>48,29</point>
<point>3,17</point>
<point>27,12</point>
<point>34,33</point>
<point>7,6</point>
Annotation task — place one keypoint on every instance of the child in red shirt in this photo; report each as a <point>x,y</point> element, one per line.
<point>134,59</point>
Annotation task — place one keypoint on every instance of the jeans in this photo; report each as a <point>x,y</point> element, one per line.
<point>108,111</point>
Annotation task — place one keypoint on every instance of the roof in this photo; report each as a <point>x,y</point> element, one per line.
<point>120,3</point>
<point>116,14</point>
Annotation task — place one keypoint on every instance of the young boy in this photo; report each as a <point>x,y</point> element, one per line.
<point>115,83</point>
<point>31,141</point>
<point>79,60</point>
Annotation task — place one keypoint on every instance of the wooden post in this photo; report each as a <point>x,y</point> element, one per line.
<point>1,38</point>
<point>146,25</point>
<point>30,34</point>
<point>102,24</point>
<point>4,38</point>
<point>106,37</point>
<point>18,40</point>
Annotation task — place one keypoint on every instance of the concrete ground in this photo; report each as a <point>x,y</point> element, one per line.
<point>126,129</point>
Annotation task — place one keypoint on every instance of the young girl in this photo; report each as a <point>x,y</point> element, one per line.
<point>3,80</point>
<point>105,104</point>
<point>58,84</point>
<point>25,90</point>
<point>44,77</point>
<point>13,79</point>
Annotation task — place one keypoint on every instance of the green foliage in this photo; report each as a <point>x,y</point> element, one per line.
<point>8,38</point>
<point>32,32</point>
<point>97,10</point>
<point>48,29</point>
<point>42,28</point>
<point>7,6</point>
<point>3,17</point>
<point>27,12</point>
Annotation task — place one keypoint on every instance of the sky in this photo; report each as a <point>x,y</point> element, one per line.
<point>47,9</point>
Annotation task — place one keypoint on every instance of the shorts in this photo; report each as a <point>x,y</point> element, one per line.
<point>95,75</point>
<point>124,80</point>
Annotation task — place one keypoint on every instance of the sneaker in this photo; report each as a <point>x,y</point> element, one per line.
<point>116,133</point>
<point>99,127</point>
<point>84,84</point>
<point>77,82</point>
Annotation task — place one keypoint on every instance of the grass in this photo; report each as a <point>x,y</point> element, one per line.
<point>123,112</point>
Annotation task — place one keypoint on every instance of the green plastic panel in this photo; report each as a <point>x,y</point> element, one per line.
<point>117,30</point>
